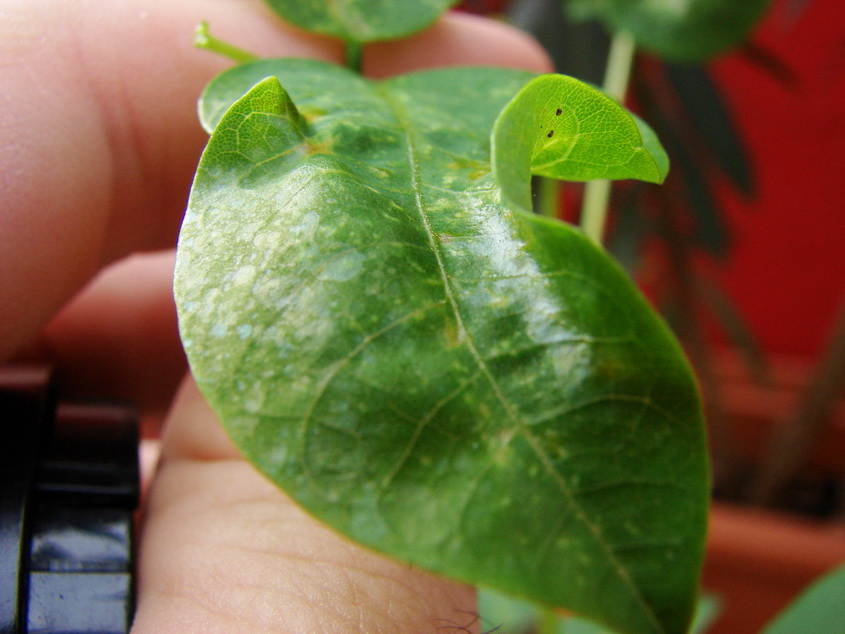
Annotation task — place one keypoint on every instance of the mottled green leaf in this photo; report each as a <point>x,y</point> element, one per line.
<point>361,20</point>
<point>681,30</point>
<point>441,376</point>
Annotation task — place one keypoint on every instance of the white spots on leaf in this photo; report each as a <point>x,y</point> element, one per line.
<point>344,267</point>
<point>277,454</point>
<point>244,426</point>
<point>267,241</point>
<point>218,330</point>
<point>307,226</point>
<point>568,358</point>
<point>253,398</point>
<point>244,276</point>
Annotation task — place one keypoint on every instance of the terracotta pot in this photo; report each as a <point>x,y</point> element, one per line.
<point>757,562</point>
<point>754,411</point>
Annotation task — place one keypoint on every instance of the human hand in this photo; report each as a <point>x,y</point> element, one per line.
<point>100,140</point>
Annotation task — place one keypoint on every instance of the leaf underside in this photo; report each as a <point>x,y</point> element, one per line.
<point>432,371</point>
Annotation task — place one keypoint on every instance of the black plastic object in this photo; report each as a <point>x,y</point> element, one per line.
<point>68,487</point>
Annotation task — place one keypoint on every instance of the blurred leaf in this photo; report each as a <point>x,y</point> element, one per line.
<point>689,191</point>
<point>630,227</point>
<point>361,20</point>
<point>503,614</point>
<point>712,122</point>
<point>770,64</point>
<point>679,30</point>
<point>735,327</point>
<point>818,610</point>
<point>709,230</point>
<point>708,610</point>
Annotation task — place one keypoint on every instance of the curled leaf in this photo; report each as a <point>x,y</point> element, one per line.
<point>563,128</point>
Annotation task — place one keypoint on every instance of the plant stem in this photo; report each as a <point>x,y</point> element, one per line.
<point>204,40</point>
<point>354,55</point>
<point>617,75</point>
<point>619,61</point>
<point>547,194</point>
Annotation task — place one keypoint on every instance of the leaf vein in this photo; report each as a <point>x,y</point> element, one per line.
<point>513,415</point>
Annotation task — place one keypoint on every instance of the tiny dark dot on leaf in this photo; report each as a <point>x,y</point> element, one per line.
<point>551,134</point>
<point>558,112</point>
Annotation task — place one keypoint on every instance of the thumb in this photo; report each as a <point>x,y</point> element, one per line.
<point>224,550</point>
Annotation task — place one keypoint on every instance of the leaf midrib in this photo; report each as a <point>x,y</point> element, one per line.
<point>414,169</point>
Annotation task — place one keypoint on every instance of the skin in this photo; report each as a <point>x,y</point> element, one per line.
<point>100,141</point>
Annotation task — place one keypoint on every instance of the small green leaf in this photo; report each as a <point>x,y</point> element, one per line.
<point>361,20</point>
<point>440,376</point>
<point>820,609</point>
<point>563,128</point>
<point>680,30</point>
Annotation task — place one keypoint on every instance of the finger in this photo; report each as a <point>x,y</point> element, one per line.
<point>225,551</point>
<point>101,134</point>
<point>118,339</point>
<point>460,39</point>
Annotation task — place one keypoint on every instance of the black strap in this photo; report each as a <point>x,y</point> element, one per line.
<point>68,487</point>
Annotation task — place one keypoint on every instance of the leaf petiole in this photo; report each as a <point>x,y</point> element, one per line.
<point>548,196</point>
<point>204,40</point>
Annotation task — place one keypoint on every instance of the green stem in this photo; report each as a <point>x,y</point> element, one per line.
<point>204,40</point>
<point>547,193</point>
<point>617,75</point>
<point>354,56</point>
<point>619,61</point>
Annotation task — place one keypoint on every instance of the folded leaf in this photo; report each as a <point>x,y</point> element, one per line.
<point>560,127</point>
<point>423,366</point>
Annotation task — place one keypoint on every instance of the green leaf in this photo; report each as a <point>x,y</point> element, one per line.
<point>440,376</point>
<point>562,128</point>
<point>361,20</point>
<point>680,30</point>
<point>820,609</point>
<point>503,614</point>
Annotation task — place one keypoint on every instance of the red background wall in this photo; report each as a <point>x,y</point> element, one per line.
<point>786,270</point>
